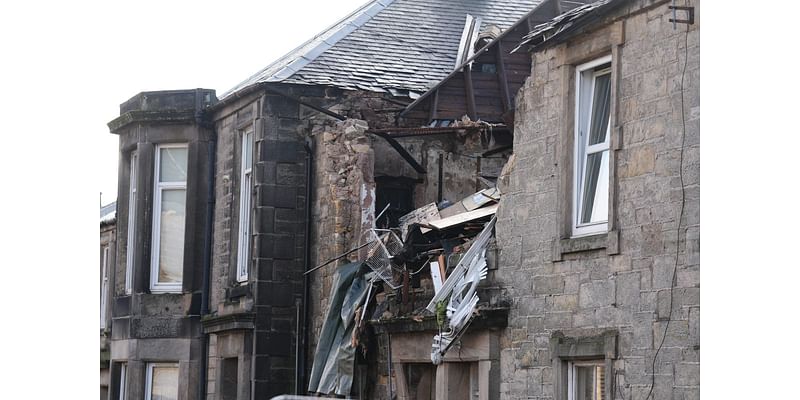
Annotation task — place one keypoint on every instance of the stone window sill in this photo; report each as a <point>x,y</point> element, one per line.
<point>237,291</point>
<point>608,241</point>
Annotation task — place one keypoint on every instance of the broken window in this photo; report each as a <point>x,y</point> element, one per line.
<point>245,191</point>
<point>161,382</point>
<point>169,218</point>
<point>586,380</point>
<point>592,126</point>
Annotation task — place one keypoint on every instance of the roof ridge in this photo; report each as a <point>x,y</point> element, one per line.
<point>291,62</point>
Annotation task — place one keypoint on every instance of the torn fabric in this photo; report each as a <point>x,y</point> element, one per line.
<point>334,359</point>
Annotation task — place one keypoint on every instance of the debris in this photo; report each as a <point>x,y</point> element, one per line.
<point>461,288</point>
<point>436,276</point>
<point>472,202</point>
<point>421,215</point>
<point>463,217</point>
<point>382,246</point>
<point>334,359</point>
<point>354,249</point>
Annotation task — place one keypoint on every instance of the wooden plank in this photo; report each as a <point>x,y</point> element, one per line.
<point>502,77</point>
<point>401,382</point>
<point>463,217</point>
<point>434,106</point>
<point>485,368</point>
<point>470,93</point>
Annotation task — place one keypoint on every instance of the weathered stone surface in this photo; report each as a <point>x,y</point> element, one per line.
<point>629,291</point>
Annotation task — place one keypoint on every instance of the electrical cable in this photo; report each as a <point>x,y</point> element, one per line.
<point>680,216</point>
<point>616,383</point>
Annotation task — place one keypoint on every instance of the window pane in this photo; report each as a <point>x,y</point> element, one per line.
<point>601,106</point>
<point>589,382</point>
<point>164,383</point>
<point>173,221</point>
<point>244,229</point>
<point>594,206</point>
<point>173,164</point>
<point>247,150</point>
<point>123,373</point>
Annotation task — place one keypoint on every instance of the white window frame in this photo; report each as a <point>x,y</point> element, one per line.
<point>123,380</point>
<point>581,150</point>
<point>104,287</point>
<point>131,243</point>
<point>245,203</point>
<point>155,286</point>
<point>571,387</point>
<point>148,383</point>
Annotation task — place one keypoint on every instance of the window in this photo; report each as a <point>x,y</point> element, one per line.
<point>169,218</point>
<point>161,382</point>
<point>592,132</point>
<point>586,380</point>
<point>131,225</point>
<point>245,191</point>
<point>104,287</point>
<point>230,379</point>
<point>123,380</point>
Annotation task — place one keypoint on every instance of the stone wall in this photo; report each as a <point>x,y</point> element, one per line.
<point>624,284</point>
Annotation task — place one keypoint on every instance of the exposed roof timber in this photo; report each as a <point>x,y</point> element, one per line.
<point>469,91</point>
<point>427,131</point>
<point>402,151</point>
<point>544,11</point>
<point>402,47</point>
<point>502,78</point>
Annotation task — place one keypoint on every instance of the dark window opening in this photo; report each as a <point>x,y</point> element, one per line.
<point>421,381</point>
<point>399,193</point>
<point>230,378</point>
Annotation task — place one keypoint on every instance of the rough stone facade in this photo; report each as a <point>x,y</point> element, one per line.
<point>108,230</point>
<point>623,282</point>
<point>258,318</point>
<point>159,327</point>
<point>551,298</point>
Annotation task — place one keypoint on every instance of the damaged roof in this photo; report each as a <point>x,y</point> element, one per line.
<point>565,24</point>
<point>387,45</point>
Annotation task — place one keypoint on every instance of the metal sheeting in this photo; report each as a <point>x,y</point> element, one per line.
<point>332,371</point>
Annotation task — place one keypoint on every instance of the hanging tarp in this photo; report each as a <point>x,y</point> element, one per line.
<point>332,371</point>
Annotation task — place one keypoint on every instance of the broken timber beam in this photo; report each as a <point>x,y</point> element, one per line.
<point>402,151</point>
<point>502,77</point>
<point>470,92</point>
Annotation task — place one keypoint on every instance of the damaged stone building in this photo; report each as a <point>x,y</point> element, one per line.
<point>430,199</point>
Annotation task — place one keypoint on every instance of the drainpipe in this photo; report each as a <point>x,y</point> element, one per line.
<point>210,202</point>
<point>302,342</point>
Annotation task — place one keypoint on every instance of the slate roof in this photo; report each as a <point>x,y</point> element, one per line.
<point>388,44</point>
<point>108,213</point>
